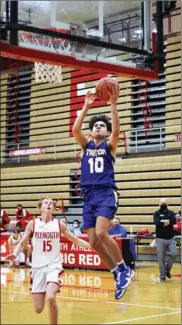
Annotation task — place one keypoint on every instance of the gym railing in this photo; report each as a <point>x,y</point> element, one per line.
<point>136,141</point>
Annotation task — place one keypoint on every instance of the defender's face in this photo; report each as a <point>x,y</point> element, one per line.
<point>99,130</point>
<point>47,205</point>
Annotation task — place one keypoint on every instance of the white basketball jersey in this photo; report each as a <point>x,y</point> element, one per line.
<point>46,243</point>
<point>15,241</point>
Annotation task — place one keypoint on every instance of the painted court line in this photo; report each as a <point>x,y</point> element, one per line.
<point>138,305</point>
<point>107,302</point>
<point>140,318</point>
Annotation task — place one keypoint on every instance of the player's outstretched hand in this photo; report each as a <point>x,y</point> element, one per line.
<point>114,94</point>
<point>89,98</point>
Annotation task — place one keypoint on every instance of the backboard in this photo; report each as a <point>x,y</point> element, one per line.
<point>111,36</point>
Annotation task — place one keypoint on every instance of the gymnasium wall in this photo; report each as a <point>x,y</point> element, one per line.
<point>173,89</point>
<point>141,181</point>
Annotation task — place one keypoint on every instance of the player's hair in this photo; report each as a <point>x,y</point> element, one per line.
<point>16,229</point>
<point>103,118</point>
<point>39,204</point>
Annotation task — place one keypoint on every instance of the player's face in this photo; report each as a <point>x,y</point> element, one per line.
<point>47,205</point>
<point>15,235</point>
<point>99,130</point>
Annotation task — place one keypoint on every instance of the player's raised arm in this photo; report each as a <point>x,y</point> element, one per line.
<point>22,243</point>
<point>114,136</point>
<point>77,127</point>
<point>71,237</point>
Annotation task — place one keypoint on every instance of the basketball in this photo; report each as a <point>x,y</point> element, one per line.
<point>143,231</point>
<point>105,86</point>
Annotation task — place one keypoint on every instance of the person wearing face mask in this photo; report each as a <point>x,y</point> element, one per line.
<point>117,229</point>
<point>22,217</point>
<point>76,228</point>
<point>164,220</point>
<point>64,219</point>
<point>129,253</point>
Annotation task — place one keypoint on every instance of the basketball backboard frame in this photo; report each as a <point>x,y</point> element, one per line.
<point>28,52</point>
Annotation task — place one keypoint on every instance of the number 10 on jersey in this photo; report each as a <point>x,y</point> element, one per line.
<point>96,165</point>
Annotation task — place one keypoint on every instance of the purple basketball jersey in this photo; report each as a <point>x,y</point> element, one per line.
<point>97,166</point>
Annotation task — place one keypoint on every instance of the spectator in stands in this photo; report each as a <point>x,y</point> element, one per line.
<point>117,229</point>
<point>22,217</point>
<point>4,220</point>
<point>164,220</point>
<point>178,216</point>
<point>83,230</point>
<point>76,229</point>
<point>177,226</point>
<point>64,219</point>
<point>13,241</point>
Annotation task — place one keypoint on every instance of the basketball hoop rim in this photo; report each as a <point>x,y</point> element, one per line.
<point>75,38</point>
<point>32,55</point>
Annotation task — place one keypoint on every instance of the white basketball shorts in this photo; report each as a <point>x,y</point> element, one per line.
<point>41,276</point>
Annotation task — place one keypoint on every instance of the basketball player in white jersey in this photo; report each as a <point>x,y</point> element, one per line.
<point>13,241</point>
<point>46,256</point>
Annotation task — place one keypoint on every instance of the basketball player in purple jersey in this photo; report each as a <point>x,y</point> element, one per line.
<point>100,199</point>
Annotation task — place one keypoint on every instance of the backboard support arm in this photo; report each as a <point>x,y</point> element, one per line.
<point>14,20</point>
<point>147,21</point>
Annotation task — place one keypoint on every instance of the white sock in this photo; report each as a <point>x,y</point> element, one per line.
<point>122,263</point>
<point>114,269</point>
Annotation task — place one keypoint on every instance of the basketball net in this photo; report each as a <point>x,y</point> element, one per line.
<point>48,73</point>
<point>45,72</point>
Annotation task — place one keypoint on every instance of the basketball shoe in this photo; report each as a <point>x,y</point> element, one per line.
<point>123,280</point>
